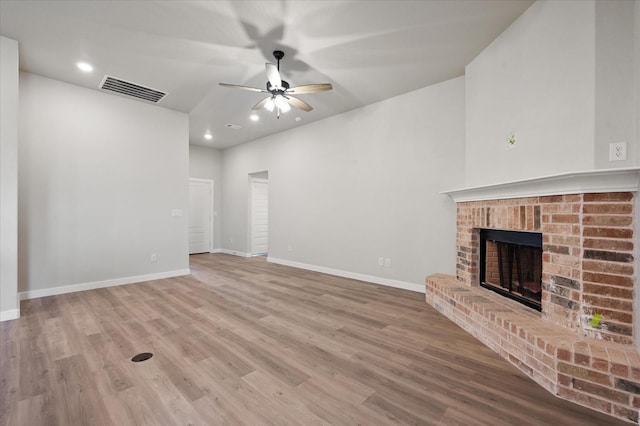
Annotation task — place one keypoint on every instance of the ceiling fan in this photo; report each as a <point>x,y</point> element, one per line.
<point>279,90</point>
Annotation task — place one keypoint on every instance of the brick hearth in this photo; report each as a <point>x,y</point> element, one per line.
<point>588,268</point>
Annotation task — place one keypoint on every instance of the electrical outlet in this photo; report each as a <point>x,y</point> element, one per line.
<point>154,258</point>
<point>381,261</point>
<point>618,151</point>
<point>387,263</point>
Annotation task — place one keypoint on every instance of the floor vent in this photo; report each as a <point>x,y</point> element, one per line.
<point>127,88</point>
<point>142,357</point>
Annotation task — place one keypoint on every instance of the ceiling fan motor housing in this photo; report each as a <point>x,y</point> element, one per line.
<point>285,86</point>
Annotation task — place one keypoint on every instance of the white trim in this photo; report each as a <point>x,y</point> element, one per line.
<point>609,180</point>
<point>234,252</point>
<point>418,288</point>
<point>32,294</point>
<point>9,315</point>
<point>201,180</point>
<point>212,187</point>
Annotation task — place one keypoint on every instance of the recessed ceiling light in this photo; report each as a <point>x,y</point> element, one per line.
<point>83,66</point>
<point>298,119</point>
<point>254,117</point>
<point>208,136</point>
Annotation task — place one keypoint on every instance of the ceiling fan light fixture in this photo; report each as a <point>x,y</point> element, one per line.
<point>270,105</point>
<point>282,104</point>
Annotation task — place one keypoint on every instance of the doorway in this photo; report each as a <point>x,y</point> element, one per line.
<point>259,214</point>
<point>200,216</point>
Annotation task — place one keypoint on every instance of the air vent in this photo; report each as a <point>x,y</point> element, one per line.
<point>127,88</point>
<point>233,126</point>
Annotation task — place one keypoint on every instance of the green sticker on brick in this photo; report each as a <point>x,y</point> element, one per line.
<point>595,320</point>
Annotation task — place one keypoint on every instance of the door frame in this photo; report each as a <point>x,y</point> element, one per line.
<point>250,213</point>
<point>210,182</point>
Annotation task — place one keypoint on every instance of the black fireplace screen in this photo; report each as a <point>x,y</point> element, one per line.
<point>511,264</point>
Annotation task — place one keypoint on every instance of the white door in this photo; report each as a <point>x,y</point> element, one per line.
<point>200,215</point>
<point>259,216</point>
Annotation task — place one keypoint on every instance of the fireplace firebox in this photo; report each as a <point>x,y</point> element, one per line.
<point>511,264</point>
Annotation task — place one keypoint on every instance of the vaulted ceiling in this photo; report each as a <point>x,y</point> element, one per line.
<point>368,50</point>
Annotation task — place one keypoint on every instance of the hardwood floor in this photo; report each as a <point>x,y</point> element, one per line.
<point>243,341</point>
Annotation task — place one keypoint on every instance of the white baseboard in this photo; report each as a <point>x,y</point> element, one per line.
<point>418,288</point>
<point>234,252</point>
<point>212,251</point>
<point>32,294</point>
<point>9,315</point>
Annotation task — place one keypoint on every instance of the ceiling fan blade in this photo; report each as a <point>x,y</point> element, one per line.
<point>310,88</point>
<point>273,75</point>
<point>236,86</point>
<point>298,103</point>
<point>261,104</point>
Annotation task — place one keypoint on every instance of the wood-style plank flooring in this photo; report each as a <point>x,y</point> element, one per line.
<point>243,341</point>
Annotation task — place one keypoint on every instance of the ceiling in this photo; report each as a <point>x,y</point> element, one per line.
<point>368,51</point>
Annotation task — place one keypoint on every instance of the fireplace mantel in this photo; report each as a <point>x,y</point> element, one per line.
<point>592,181</point>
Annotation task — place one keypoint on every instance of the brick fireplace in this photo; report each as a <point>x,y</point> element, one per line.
<point>581,346</point>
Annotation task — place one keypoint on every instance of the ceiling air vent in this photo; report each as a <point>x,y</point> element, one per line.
<point>127,88</point>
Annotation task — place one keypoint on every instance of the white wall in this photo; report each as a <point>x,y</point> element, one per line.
<point>99,175</point>
<point>361,185</point>
<point>206,163</point>
<point>637,84</point>
<point>614,91</point>
<point>9,304</point>
<point>562,77</point>
<point>537,78</point>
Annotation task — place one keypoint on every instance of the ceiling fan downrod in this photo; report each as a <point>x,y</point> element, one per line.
<point>278,54</point>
